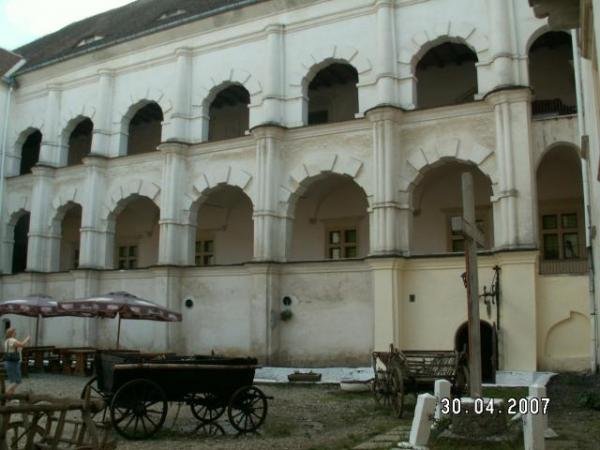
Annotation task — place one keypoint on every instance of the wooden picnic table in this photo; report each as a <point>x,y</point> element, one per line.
<point>38,353</point>
<point>79,354</point>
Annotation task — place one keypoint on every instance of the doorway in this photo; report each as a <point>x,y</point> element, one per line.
<point>488,348</point>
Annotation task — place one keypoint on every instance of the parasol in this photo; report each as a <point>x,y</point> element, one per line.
<point>123,304</point>
<point>37,306</point>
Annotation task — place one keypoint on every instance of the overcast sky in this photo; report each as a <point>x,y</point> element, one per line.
<point>22,21</point>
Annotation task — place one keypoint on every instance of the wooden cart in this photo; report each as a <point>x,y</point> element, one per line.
<point>137,390</point>
<point>409,371</point>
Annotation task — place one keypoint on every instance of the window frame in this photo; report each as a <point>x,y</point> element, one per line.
<point>202,254</point>
<point>343,244</point>
<point>128,258</point>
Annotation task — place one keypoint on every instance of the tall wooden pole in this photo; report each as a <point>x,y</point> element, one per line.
<point>469,230</point>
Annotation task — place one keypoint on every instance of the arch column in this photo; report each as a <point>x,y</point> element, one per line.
<point>389,217</point>
<point>273,101</point>
<point>515,205</point>
<point>385,70</point>
<point>177,128</point>
<point>8,245</point>
<point>270,226</point>
<point>93,238</point>
<point>52,153</point>
<point>101,134</point>
<point>174,236</point>
<point>41,240</point>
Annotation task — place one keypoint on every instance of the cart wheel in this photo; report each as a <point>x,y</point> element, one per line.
<point>138,409</point>
<point>397,391</point>
<point>247,409</point>
<point>17,434</point>
<point>381,388</point>
<point>207,407</point>
<point>96,394</point>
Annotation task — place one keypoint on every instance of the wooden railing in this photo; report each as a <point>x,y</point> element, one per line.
<point>564,266</point>
<point>554,107</point>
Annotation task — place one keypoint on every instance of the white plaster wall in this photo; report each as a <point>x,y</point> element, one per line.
<point>332,311</point>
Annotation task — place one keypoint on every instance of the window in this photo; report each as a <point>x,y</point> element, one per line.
<point>128,257</point>
<point>560,236</point>
<point>457,240</point>
<point>342,243</point>
<point>205,253</point>
<point>89,40</point>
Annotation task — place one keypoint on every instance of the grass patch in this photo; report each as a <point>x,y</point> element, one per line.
<point>505,392</point>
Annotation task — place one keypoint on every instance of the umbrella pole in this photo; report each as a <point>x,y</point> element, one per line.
<point>119,332</point>
<point>37,329</point>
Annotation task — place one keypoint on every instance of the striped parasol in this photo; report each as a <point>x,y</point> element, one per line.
<point>123,304</point>
<point>37,305</point>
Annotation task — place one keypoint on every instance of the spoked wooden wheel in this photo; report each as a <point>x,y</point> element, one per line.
<point>96,394</point>
<point>138,409</point>
<point>207,407</point>
<point>382,388</point>
<point>18,434</point>
<point>397,391</point>
<point>247,409</point>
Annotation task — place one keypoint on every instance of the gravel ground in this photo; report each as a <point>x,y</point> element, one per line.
<point>315,417</point>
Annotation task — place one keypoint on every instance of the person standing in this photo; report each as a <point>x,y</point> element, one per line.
<point>12,359</point>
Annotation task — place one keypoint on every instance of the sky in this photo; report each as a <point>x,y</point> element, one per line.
<point>22,21</point>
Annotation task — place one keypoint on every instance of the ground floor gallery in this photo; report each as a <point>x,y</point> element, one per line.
<point>336,312</point>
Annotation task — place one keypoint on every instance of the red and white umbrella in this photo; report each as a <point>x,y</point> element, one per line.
<point>37,305</point>
<point>123,304</point>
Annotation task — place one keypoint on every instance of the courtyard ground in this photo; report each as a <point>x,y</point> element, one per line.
<point>321,417</point>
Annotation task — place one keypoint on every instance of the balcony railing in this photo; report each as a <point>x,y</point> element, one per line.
<point>564,266</point>
<point>549,108</point>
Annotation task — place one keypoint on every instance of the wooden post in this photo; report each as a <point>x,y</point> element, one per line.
<point>119,332</point>
<point>472,237</point>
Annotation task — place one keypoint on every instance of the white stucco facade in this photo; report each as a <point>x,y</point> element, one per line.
<point>269,200</point>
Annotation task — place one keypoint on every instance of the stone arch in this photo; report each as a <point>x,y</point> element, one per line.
<point>222,80</point>
<point>16,208</point>
<point>71,119</point>
<point>140,98</point>
<point>457,32</point>
<point>534,36</point>
<point>120,196</point>
<point>61,203</point>
<point>421,159</point>
<point>560,339</point>
<point>312,168</point>
<point>556,143</point>
<point>320,58</point>
<point>208,181</point>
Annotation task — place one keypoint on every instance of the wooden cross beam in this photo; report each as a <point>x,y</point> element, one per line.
<point>472,237</point>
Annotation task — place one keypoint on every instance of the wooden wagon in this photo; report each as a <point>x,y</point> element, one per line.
<point>409,371</point>
<point>137,391</point>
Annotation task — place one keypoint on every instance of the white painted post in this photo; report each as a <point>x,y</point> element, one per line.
<point>441,390</point>
<point>533,430</point>
<point>539,391</point>
<point>422,420</point>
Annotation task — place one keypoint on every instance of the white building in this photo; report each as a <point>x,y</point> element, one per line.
<point>233,159</point>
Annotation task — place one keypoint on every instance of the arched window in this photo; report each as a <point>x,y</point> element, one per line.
<point>145,129</point>
<point>333,95</point>
<point>437,199</point>
<point>330,220</point>
<point>137,234</point>
<point>70,238</point>
<point>561,212</point>
<point>229,115</point>
<point>30,152</point>
<point>225,228</point>
<point>80,142</point>
<point>21,238</point>
<point>551,75</point>
<point>446,75</point>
